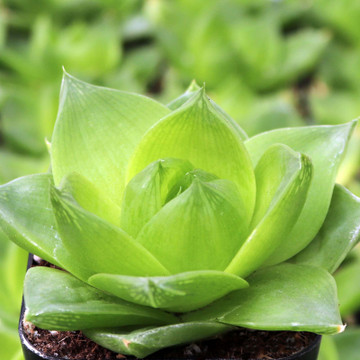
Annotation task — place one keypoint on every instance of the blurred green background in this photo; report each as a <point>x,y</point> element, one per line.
<point>269,64</point>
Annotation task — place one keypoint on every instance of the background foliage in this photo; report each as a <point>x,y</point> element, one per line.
<point>269,64</point>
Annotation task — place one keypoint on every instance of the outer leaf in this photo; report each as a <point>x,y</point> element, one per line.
<point>283,297</point>
<point>199,133</point>
<point>325,145</point>
<point>91,198</point>
<point>282,179</point>
<point>56,300</point>
<point>26,216</point>
<point>147,192</point>
<point>96,245</point>
<point>178,293</point>
<point>206,219</point>
<point>347,281</point>
<point>338,235</point>
<point>96,132</point>
<point>143,342</point>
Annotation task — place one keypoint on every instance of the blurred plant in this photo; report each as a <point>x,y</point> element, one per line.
<point>12,272</point>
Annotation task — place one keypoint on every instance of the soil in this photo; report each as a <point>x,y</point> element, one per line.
<point>242,344</point>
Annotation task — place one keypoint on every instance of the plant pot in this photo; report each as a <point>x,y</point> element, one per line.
<point>31,353</point>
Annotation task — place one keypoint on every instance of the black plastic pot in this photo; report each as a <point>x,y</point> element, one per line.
<point>30,353</point>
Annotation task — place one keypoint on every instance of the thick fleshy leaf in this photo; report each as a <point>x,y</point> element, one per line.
<point>183,98</point>
<point>325,145</point>
<point>198,132</point>
<point>97,130</point>
<point>338,235</point>
<point>188,179</point>
<point>178,293</point>
<point>56,300</point>
<point>143,342</point>
<point>206,219</point>
<point>283,297</point>
<point>96,245</point>
<point>26,216</point>
<point>283,177</point>
<point>147,192</point>
<point>231,122</point>
<point>190,92</point>
<point>348,285</point>
<point>88,196</point>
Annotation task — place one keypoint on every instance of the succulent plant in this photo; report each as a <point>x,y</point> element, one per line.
<point>173,226</point>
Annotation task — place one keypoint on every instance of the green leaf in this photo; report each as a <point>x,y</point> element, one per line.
<point>325,145</point>
<point>231,122</point>
<point>88,196</point>
<point>177,293</point>
<point>26,216</point>
<point>206,219</point>
<point>338,235</point>
<point>183,98</point>
<point>198,132</point>
<point>150,187</point>
<point>190,92</point>
<point>283,177</point>
<point>347,281</point>
<point>283,297</point>
<point>187,180</point>
<point>143,342</point>
<point>56,300</point>
<point>99,247</point>
<point>96,132</point>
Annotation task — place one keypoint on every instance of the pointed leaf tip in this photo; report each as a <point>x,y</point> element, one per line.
<point>193,87</point>
<point>207,218</point>
<point>151,187</point>
<point>283,177</point>
<point>93,256</point>
<point>176,293</point>
<point>200,133</point>
<point>325,145</point>
<point>96,132</point>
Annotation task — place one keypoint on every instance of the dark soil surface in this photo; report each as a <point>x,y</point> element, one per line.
<point>241,344</point>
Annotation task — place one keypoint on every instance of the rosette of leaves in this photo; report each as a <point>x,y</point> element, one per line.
<point>173,226</point>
